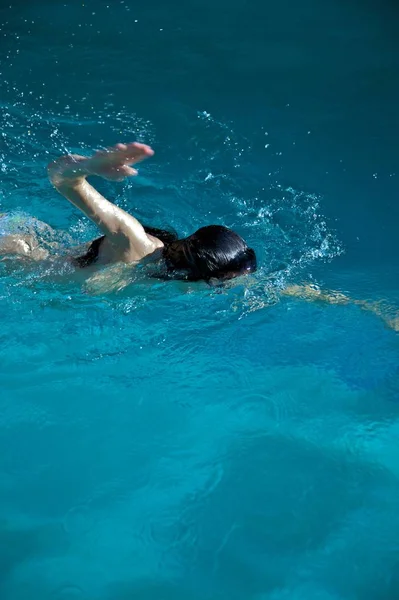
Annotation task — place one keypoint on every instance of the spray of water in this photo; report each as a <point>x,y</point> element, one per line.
<point>214,176</point>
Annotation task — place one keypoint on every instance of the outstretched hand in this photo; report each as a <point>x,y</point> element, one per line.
<point>114,163</point>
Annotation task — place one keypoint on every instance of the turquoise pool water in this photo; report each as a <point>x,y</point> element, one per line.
<point>164,441</point>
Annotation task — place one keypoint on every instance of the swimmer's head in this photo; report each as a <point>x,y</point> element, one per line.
<point>213,252</point>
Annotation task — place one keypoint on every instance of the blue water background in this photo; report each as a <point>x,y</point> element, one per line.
<point>167,442</point>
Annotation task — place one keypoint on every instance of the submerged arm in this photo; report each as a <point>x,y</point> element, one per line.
<point>68,175</point>
<point>313,293</point>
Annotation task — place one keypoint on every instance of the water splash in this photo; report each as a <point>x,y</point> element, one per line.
<point>223,182</point>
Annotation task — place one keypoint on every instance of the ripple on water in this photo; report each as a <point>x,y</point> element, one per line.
<point>78,520</point>
<point>68,592</point>
<point>300,592</point>
<point>256,405</point>
<point>169,532</point>
<point>150,590</point>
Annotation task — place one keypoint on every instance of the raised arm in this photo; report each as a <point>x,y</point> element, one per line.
<point>68,175</point>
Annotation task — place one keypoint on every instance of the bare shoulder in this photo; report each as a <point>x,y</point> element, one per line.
<point>111,252</point>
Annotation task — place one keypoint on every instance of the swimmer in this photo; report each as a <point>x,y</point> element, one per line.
<point>211,253</point>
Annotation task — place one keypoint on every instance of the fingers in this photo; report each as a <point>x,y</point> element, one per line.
<point>113,163</point>
<point>129,171</point>
<point>120,173</point>
<point>141,148</point>
<point>134,150</point>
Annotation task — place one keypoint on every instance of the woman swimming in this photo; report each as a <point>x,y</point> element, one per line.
<point>211,253</point>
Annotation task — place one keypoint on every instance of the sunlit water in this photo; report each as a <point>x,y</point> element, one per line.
<point>166,441</point>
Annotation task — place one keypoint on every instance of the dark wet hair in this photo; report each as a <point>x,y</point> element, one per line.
<point>212,252</point>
